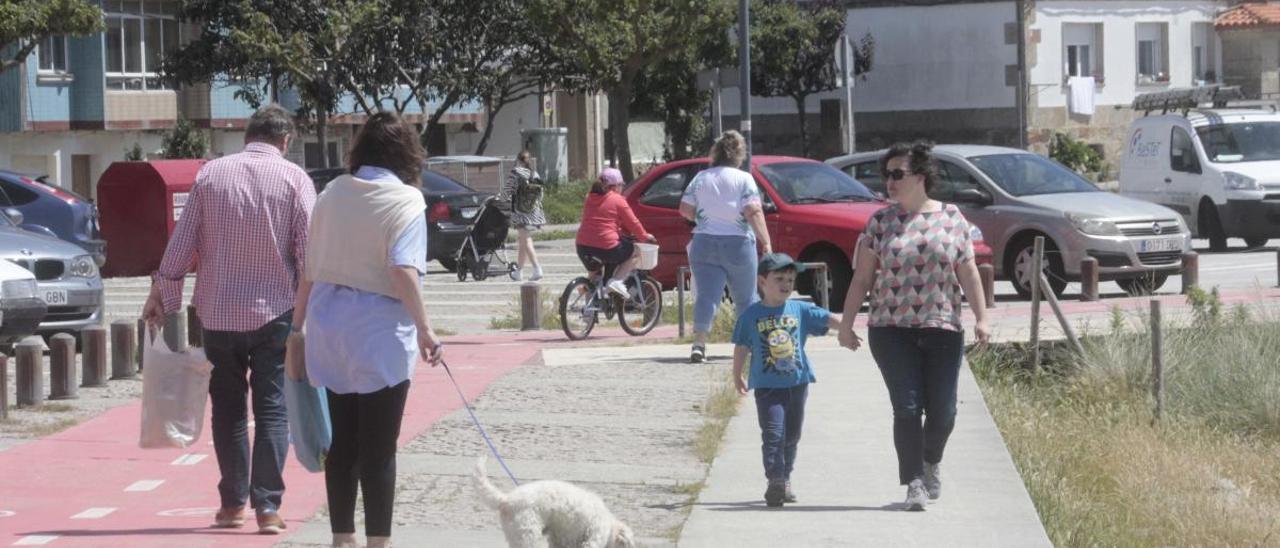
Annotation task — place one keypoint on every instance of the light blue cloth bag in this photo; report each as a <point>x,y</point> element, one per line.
<point>309,429</point>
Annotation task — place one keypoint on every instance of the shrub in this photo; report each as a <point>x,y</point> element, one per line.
<point>1074,154</point>
<point>184,141</point>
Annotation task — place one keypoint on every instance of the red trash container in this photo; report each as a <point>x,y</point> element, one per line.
<point>138,205</point>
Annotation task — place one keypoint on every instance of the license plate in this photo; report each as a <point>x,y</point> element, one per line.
<point>1162,244</point>
<point>469,212</point>
<point>55,297</point>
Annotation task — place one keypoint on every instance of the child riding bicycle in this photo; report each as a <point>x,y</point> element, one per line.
<point>608,230</point>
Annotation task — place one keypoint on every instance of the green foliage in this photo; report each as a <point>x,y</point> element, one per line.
<point>1074,154</point>
<point>184,141</point>
<point>1207,306</point>
<point>25,23</point>
<point>135,154</point>
<point>562,202</point>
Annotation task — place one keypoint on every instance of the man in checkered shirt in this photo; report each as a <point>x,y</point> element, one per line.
<point>245,226</point>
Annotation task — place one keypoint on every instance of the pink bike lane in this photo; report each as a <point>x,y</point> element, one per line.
<point>91,485</point>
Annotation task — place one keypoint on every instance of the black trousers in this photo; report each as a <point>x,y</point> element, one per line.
<point>363,453</point>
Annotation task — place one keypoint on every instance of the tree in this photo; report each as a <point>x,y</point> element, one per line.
<point>669,90</point>
<point>793,51</point>
<point>606,44</point>
<point>26,23</point>
<point>184,141</point>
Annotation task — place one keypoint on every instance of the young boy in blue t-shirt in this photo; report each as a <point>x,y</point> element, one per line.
<point>772,332</point>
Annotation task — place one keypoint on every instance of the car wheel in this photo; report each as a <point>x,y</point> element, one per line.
<point>1142,285</point>
<point>1019,267</point>
<point>1211,227</point>
<point>449,263</point>
<point>1257,241</point>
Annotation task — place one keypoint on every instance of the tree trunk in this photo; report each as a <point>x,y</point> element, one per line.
<point>322,135</point>
<point>619,119</point>
<point>491,114</point>
<point>804,137</point>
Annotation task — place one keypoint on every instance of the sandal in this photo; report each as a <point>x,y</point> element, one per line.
<point>698,354</point>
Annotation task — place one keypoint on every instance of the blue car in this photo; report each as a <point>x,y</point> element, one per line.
<point>53,211</point>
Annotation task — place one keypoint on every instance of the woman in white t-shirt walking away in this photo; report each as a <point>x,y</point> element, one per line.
<point>724,202</point>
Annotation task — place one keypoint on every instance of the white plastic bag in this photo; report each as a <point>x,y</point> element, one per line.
<point>175,387</point>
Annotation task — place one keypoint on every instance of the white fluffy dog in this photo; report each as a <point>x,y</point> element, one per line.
<point>567,515</point>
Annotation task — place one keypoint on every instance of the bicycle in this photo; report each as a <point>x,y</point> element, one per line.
<point>586,297</point>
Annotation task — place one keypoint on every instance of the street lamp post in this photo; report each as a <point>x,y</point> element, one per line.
<point>744,73</point>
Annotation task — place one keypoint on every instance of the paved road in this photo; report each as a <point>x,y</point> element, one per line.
<point>468,307</point>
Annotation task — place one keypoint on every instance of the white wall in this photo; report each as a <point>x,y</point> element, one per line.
<point>926,58</point>
<point>1119,45</point>
<point>505,140</point>
<point>57,148</point>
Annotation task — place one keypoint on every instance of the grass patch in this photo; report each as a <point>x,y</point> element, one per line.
<point>42,430</point>
<point>52,408</point>
<point>549,319</point>
<point>1102,473</point>
<point>721,325</point>
<point>545,235</point>
<point>722,405</point>
<point>562,202</point>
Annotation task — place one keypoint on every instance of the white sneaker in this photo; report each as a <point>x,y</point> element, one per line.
<point>617,287</point>
<point>537,274</point>
<point>515,274</point>
<point>916,496</point>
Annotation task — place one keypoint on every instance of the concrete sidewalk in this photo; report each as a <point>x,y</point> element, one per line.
<point>846,474</point>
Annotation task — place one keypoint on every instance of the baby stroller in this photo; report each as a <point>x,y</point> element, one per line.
<point>485,242</point>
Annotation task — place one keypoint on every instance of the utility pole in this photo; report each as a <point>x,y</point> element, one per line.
<point>744,73</point>
<point>716,112</point>
<point>846,66</point>
<point>1021,6</point>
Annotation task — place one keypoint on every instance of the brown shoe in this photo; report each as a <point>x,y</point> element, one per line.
<point>270,523</point>
<point>229,518</point>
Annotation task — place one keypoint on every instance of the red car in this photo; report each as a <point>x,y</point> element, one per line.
<point>814,213</point>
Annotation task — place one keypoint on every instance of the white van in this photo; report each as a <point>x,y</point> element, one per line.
<point>1219,168</point>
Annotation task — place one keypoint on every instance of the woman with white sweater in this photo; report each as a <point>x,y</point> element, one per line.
<point>365,321</point>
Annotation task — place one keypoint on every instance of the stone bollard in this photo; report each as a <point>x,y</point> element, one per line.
<point>987,274</point>
<point>93,359</point>
<point>62,367</point>
<point>1190,271</point>
<point>1089,279</point>
<point>140,342</point>
<point>4,386</point>
<point>30,372</point>
<point>530,306</point>
<point>122,350</point>
<point>175,331</point>
<point>195,331</point>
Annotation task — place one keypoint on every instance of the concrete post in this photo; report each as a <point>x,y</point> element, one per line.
<point>1190,271</point>
<point>1089,279</point>
<point>4,386</point>
<point>175,331</point>
<point>987,274</point>
<point>195,331</point>
<point>30,372</point>
<point>530,306</point>
<point>123,339</point>
<point>139,341</point>
<point>62,367</point>
<point>93,359</point>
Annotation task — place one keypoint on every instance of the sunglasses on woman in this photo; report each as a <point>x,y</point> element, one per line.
<point>897,174</point>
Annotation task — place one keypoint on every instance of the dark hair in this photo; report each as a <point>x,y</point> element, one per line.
<point>524,156</point>
<point>920,160</point>
<point>387,142</point>
<point>599,188</point>
<point>270,123</point>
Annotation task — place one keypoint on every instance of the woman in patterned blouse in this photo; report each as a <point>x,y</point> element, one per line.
<point>915,257</point>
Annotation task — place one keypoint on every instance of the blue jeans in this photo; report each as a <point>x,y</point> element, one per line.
<point>715,260</point>
<point>781,414</point>
<point>260,355</point>
<point>921,368</point>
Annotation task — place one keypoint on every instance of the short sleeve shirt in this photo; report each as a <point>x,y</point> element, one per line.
<point>776,336</point>
<point>718,196</point>
<point>916,283</point>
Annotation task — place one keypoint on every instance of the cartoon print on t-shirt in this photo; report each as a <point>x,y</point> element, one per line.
<point>779,337</point>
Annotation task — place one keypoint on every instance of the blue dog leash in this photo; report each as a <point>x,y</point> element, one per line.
<point>472,412</point>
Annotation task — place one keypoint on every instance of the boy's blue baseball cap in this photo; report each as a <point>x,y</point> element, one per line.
<point>777,261</point>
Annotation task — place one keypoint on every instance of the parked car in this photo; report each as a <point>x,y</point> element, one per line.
<point>20,309</point>
<point>451,208</point>
<point>55,211</point>
<point>67,278</point>
<point>813,211</point>
<point>1219,168</point>
<point>1014,196</point>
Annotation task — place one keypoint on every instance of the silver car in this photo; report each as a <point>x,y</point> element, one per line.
<point>1013,196</point>
<point>67,278</point>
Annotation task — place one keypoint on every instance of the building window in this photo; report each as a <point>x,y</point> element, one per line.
<point>139,33</point>
<point>1153,52</point>
<point>1204,55</point>
<point>52,54</point>
<point>1082,50</point>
